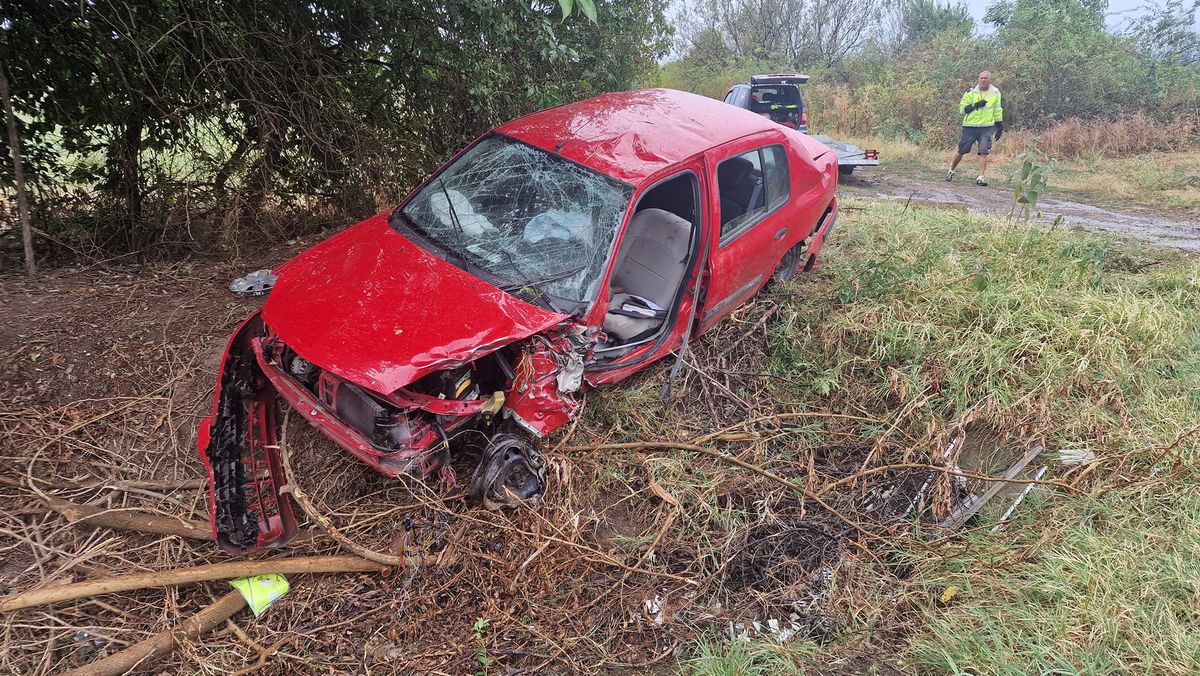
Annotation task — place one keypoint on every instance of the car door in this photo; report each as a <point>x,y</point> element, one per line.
<point>680,310</point>
<point>749,188</point>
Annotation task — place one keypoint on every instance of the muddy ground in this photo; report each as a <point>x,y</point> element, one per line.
<point>1156,226</point>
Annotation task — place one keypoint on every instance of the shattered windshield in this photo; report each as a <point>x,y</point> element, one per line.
<point>526,216</point>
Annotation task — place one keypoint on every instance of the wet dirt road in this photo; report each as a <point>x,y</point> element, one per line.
<point>1178,231</point>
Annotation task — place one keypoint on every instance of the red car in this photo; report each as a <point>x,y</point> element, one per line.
<point>562,251</point>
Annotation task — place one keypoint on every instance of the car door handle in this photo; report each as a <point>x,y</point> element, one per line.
<point>781,232</point>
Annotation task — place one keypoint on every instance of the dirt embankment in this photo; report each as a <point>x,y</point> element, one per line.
<point>1176,231</point>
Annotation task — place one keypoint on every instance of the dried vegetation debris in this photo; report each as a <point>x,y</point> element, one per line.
<point>635,551</point>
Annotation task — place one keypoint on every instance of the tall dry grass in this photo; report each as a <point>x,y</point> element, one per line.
<point>925,116</point>
<point>1076,138</point>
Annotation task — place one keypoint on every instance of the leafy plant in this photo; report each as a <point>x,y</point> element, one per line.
<point>479,631</point>
<point>588,7</point>
<point>1030,180</point>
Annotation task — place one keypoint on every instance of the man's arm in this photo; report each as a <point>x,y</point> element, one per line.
<point>965,104</point>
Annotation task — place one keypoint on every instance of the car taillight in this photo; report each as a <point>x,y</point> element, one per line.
<point>871,154</point>
<point>804,117</point>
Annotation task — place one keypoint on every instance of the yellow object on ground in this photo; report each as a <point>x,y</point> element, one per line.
<point>949,594</point>
<point>260,591</point>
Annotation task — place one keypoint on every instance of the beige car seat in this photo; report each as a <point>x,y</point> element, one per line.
<point>651,264</point>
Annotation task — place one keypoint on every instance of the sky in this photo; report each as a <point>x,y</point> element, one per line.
<point>1119,12</point>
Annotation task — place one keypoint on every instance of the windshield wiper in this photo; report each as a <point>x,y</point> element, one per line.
<point>450,206</point>
<point>551,278</point>
<point>440,249</point>
<point>534,285</point>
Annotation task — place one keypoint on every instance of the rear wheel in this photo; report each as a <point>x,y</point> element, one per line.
<point>789,265</point>
<point>844,170</point>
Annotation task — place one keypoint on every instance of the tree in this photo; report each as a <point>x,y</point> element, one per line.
<point>1068,64</point>
<point>804,32</point>
<point>170,111</point>
<point>917,21</point>
<point>1167,32</point>
<point>14,145</point>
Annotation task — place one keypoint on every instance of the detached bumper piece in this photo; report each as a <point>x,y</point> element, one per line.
<point>240,449</point>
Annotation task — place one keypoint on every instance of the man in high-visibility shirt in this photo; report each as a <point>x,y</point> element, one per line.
<point>983,122</point>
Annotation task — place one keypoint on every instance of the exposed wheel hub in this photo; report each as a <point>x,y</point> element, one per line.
<point>511,472</point>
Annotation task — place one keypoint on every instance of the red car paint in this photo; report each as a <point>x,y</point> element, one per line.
<point>374,310</point>
<point>632,136</point>
<point>380,311</point>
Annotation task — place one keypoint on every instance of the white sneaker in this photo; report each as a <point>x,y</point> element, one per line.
<point>950,175</point>
<point>981,181</point>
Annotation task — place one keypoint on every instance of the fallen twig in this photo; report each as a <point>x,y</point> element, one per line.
<point>164,642</point>
<point>653,446</point>
<point>180,576</point>
<point>129,519</point>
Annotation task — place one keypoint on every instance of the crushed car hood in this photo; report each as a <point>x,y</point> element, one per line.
<point>378,310</point>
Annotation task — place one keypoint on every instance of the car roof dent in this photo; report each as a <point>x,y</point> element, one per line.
<point>632,136</point>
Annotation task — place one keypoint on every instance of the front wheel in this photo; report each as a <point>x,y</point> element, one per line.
<point>510,473</point>
<point>844,170</point>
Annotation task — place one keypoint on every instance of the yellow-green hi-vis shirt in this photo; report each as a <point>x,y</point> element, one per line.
<point>986,116</point>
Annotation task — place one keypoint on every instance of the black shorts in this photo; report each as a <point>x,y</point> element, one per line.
<point>973,135</point>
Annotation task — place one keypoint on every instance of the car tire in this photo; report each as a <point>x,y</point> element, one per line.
<point>845,170</point>
<point>512,471</point>
<point>789,265</point>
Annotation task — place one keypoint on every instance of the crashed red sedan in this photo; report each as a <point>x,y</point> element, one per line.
<point>561,251</point>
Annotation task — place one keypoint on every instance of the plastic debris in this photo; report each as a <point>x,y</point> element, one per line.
<point>1013,507</point>
<point>1076,456</point>
<point>654,610</point>
<point>260,591</point>
<point>256,283</point>
<point>780,631</point>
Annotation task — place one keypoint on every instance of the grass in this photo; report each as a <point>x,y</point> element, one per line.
<point>1080,340</point>
<point>1149,180</point>
<point>1075,340</point>
<point>922,323</point>
<point>714,656</point>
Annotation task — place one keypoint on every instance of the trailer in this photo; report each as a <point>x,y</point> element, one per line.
<point>850,156</point>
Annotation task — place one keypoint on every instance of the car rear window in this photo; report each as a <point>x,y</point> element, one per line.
<point>769,98</point>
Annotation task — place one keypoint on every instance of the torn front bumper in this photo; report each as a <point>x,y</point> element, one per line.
<point>238,444</point>
<point>239,441</point>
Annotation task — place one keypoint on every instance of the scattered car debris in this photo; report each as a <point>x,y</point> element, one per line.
<point>256,283</point>
<point>1021,497</point>
<point>975,502</point>
<point>563,251</point>
<point>260,591</point>
<point>774,629</point>
<point>1076,456</point>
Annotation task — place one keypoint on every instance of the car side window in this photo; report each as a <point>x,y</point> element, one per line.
<point>778,180</point>
<point>750,185</point>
